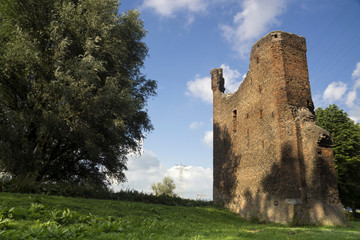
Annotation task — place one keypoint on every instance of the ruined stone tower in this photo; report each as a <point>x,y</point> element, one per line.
<point>271,161</point>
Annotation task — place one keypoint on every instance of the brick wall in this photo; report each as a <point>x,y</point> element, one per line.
<point>266,142</point>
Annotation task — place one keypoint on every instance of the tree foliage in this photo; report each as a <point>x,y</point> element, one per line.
<point>346,135</point>
<point>72,95</point>
<point>166,187</point>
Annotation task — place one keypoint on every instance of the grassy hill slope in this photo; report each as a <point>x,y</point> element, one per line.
<point>30,216</point>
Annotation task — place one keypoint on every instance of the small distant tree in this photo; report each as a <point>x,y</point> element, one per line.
<point>166,187</point>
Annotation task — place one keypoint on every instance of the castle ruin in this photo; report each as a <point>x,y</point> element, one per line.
<point>271,161</point>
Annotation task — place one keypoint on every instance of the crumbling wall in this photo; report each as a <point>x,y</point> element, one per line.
<point>268,150</point>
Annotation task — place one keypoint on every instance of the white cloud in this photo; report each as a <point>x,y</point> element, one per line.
<point>195,125</point>
<point>335,91</point>
<point>208,138</point>
<point>339,91</point>
<point>351,98</point>
<point>356,76</point>
<point>146,169</point>
<point>201,86</point>
<point>356,72</point>
<point>195,180</point>
<point>252,22</point>
<point>143,171</point>
<point>231,78</point>
<point>355,113</point>
<point>167,8</point>
<point>147,160</point>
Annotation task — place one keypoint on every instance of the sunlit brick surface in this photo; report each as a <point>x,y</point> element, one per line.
<point>271,161</point>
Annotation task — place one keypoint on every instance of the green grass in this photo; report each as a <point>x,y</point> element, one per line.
<point>30,216</point>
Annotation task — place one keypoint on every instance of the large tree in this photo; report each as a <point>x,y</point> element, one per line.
<point>346,135</point>
<point>72,95</point>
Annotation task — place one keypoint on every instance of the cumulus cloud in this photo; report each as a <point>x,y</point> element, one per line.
<point>355,113</point>
<point>146,169</point>
<point>147,160</point>
<point>335,91</point>
<point>208,138</point>
<point>194,181</point>
<point>252,22</point>
<point>339,92</point>
<point>356,76</point>
<point>195,125</point>
<point>351,98</point>
<point>167,8</point>
<point>356,72</point>
<point>231,77</point>
<point>142,171</point>
<point>201,86</point>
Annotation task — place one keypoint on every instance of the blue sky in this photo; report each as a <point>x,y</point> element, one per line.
<point>188,38</point>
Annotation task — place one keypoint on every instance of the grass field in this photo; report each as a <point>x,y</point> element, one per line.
<point>25,216</point>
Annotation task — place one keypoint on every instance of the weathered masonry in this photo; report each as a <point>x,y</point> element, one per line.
<point>271,161</point>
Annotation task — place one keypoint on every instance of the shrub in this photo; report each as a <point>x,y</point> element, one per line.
<point>29,184</point>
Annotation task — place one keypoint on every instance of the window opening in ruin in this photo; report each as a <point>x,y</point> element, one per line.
<point>263,144</point>
<point>272,114</point>
<point>248,137</point>
<point>275,36</point>
<point>257,60</point>
<point>247,115</point>
<point>260,89</point>
<point>261,113</point>
<point>234,120</point>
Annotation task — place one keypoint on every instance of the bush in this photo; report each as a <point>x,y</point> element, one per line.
<point>29,184</point>
<point>135,196</point>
